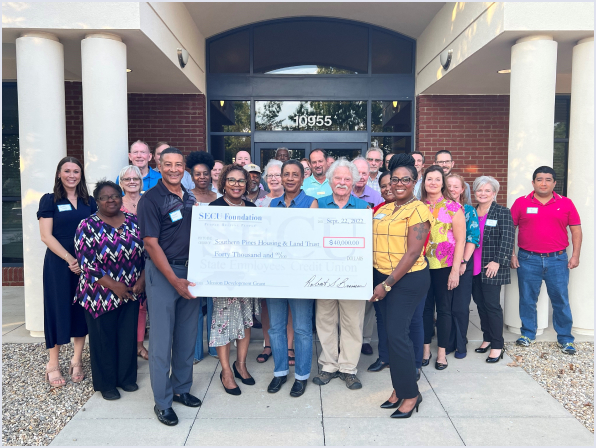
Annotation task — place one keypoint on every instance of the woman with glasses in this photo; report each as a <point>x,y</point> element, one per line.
<point>401,278</point>
<point>306,164</point>
<point>201,166</point>
<point>111,254</point>
<point>233,315</point>
<point>444,252</point>
<point>272,175</point>
<point>59,215</point>
<point>131,182</point>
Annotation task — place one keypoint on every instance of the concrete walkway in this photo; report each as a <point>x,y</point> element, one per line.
<point>470,403</point>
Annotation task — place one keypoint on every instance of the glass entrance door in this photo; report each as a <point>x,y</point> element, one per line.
<point>266,151</point>
<point>348,150</point>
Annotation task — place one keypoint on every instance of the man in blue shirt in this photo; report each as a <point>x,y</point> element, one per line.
<point>342,364</point>
<point>139,155</point>
<point>317,185</point>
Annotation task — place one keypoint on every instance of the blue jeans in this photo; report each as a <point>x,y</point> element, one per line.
<point>533,269</point>
<point>199,342</point>
<point>302,321</point>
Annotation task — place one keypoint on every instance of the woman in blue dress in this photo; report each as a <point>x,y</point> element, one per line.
<point>59,215</point>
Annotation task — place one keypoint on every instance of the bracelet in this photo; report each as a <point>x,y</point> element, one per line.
<point>65,255</point>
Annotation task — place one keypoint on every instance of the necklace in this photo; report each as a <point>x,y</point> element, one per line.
<point>401,205</point>
<point>234,205</point>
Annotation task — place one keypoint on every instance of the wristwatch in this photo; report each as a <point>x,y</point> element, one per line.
<point>386,286</point>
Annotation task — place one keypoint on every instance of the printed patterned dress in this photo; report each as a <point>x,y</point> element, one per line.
<point>103,250</point>
<point>441,245</point>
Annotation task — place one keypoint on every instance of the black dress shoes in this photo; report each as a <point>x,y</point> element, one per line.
<point>366,349</point>
<point>493,360</point>
<point>276,383</point>
<point>130,387</point>
<point>235,391</point>
<point>378,365</point>
<point>389,405</point>
<point>440,366</point>
<point>417,374</point>
<point>298,388</point>
<point>426,361</point>
<point>167,416</point>
<point>399,414</point>
<point>482,350</point>
<point>187,400</point>
<point>250,381</point>
<point>110,394</point>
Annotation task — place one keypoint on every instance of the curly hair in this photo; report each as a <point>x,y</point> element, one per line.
<point>405,160</point>
<point>199,158</point>
<point>101,184</point>
<point>221,183</point>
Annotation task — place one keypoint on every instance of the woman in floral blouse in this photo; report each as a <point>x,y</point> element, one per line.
<point>444,251</point>
<point>111,285</point>
<point>462,295</point>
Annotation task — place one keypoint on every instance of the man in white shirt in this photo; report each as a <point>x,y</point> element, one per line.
<point>419,158</point>
<point>186,178</point>
<point>374,157</point>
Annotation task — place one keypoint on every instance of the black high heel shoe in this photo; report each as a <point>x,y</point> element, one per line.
<point>248,381</point>
<point>426,361</point>
<point>389,405</point>
<point>482,350</point>
<point>235,391</point>
<point>399,414</point>
<point>493,360</point>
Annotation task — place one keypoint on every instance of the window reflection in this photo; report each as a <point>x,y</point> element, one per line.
<point>269,153</point>
<point>225,147</point>
<point>230,54</point>
<point>230,116</point>
<point>396,145</point>
<point>390,54</point>
<point>391,116</point>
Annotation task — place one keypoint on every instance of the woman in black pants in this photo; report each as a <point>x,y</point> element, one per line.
<point>491,264</point>
<point>402,278</point>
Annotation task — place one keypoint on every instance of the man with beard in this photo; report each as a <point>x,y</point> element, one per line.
<point>374,157</point>
<point>317,185</point>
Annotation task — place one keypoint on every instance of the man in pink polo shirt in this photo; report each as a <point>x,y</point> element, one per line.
<point>543,217</point>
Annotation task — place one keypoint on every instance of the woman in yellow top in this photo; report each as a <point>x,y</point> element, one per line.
<point>401,277</point>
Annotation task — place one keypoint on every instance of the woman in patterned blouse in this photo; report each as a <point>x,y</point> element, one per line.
<point>444,251</point>
<point>462,295</point>
<point>110,253</point>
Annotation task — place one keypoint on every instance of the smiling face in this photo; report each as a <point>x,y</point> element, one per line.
<point>341,183</point>
<point>419,164</point>
<point>172,168</point>
<point>445,161</point>
<point>402,184</point>
<point>363,171</point>
<point>274,177</point>
<point>544,184</point>
<point>318,164</point>
<point>455,188</point>
<point>386,192</point>
<point>306,168</point>
<point>375,160</point>
<point>235,184</point>
<point>485,194</point>
<point>139,155</point>
<point>201,176</point>
<point>291,178</point>
<point>131,183</point>
<point>254,179</point>
<point>70,175</point>
<point>215,172</point>
<point>242,158</point>
<point>282,155</point>
<point>109,202</point>
<point>433,182</point>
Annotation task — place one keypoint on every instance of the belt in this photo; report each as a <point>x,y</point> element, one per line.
<point>544,255</point>
<point>179,262</point>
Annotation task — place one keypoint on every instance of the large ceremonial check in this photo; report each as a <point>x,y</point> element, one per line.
<point>281,253</point>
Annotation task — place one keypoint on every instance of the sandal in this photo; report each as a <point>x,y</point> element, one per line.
<point>56,382</point>
<point>263,357</point>
<point>143,353</point>
<point>292,359</point>
<point>76,377</point>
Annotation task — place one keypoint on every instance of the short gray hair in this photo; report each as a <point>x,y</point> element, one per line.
<point>134,169</point>
<point>345,163</point>
<point>140,142</point>
<point>363,159</point>
<point>279,149</point>
<point>482,180</point>
<point>272,162</point>
<point>377,149</point>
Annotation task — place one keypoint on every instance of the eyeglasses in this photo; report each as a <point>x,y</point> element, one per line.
<point>273,176</point>
<point>403,180</point>
<point>444,162</point>
<point>113,197</point>
<point>374,160</point>
<point>129,179</point>
<point>233,181</point>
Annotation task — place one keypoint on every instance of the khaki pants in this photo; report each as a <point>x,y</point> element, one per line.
<point>369,323</point>
<point>351,319</point>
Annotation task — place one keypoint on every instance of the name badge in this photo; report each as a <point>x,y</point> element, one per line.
<point>491,222</point>
<point>320,193</point>
<point>176,216</point>
<point>379,216</point>
<point>532,210</point>
<point>64,208</point>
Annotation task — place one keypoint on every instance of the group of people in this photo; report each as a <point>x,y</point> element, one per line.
<point>121,254</point>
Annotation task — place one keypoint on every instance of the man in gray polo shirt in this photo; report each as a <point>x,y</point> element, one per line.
<point>165,214</point>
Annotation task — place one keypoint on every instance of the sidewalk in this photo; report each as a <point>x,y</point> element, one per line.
<point>470,403</point>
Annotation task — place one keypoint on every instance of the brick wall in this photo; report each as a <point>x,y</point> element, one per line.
<point>74,119</point>
<point>474,128</point>
<point>12,276</point>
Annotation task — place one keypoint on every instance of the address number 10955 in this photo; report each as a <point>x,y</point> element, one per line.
<point>303,121</point>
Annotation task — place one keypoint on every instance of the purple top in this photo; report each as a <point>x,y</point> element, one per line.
<point>478,250</point>
<point>371,196</point>
<point>103,250</point>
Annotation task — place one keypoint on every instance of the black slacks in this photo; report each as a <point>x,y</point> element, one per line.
<point>488,300</point>
<point>444,301</point>
<point>113,346</point>
<point>460,310</point>
<point>428,317</point>
<point>397,309</point>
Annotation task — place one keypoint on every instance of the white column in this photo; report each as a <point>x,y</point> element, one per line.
<point>105,113</point>
<point>42,141</point>
<point>580,187</point>
<point>531,140</point>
